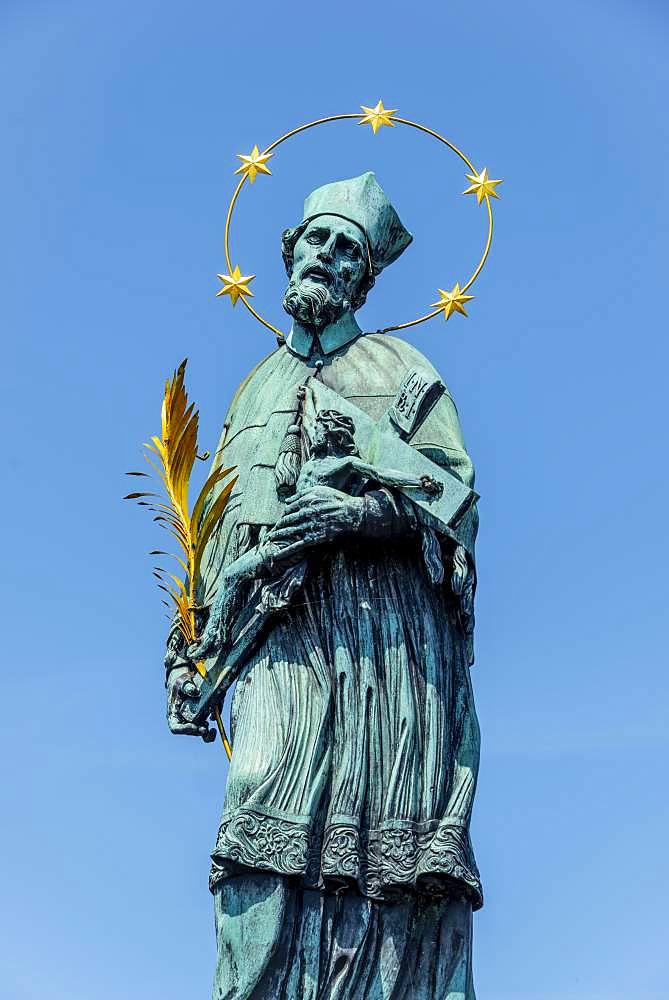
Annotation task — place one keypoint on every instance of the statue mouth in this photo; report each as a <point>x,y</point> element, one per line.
<point>318,274</point>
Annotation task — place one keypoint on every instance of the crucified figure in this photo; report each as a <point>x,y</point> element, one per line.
<point>333,464</point>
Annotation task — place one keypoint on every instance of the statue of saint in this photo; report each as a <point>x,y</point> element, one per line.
<point>343,866</point>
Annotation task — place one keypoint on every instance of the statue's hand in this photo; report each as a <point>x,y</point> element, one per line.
<point>212,638</point>
<point>320,514</point>
<point>180,688</point>
<point>276,557</point>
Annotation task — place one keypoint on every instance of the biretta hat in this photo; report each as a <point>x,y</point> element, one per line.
<point>361,200</point>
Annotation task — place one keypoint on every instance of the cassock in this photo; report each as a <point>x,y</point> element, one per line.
<point>343,865</point>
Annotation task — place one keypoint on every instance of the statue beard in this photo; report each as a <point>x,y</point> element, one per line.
<point>316,304</point>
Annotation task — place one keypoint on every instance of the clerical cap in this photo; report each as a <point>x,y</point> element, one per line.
<point>361,200</point>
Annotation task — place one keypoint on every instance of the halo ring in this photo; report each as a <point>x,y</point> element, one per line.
<point>356,116</point>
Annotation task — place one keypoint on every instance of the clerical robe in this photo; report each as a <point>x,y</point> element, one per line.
<point>344,838</point>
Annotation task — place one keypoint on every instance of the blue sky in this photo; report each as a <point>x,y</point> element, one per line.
<point>120,127</point>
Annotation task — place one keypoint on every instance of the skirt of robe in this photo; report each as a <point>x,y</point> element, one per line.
<point>279,941</point>
<point>356,744</point>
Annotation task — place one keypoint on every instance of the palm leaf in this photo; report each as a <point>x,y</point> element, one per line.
<point>211,520</point>
<point>172,555</point>
<point>175,527</point>
<point>172,458</point>
<point>213,479</point>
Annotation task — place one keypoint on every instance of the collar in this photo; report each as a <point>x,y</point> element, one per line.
<point>304,342</point>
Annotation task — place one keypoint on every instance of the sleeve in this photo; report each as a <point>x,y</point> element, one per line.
<point>440,439</point>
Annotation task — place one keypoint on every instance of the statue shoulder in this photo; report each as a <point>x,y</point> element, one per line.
<point>260,373</point>
<point>440,434</point>
<point>265,389</point>
<point>396,356</point>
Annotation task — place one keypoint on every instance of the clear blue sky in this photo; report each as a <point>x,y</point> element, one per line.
<point>120,124</point>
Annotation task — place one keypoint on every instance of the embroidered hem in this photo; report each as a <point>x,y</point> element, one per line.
<point>433,857</point>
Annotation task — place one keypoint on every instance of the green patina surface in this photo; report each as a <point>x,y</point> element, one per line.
<point>343,608</point>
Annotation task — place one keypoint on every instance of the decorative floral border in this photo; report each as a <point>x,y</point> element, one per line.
<point>428,857</point>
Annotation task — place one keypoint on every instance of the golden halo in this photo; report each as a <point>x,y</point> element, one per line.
<point>236,285</point>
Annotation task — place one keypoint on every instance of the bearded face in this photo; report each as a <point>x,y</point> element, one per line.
<point>329,266</point>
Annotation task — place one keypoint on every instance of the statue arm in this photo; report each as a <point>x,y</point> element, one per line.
<point>180,660</point>
<point>441,440</point>
<point>265,561</point>
<point>232,588</point>
<point>386,476</point>
<point>387,514</point>
<point>323,515</point>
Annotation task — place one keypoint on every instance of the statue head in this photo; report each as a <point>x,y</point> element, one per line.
<point>348,234</point>
<point>333,435</point>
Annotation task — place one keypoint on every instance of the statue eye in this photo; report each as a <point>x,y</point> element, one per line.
<point>314,238</point>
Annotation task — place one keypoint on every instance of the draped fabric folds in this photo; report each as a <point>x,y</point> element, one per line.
<point>345,827</point>
<point>356,742</point>
<point>307,945</point>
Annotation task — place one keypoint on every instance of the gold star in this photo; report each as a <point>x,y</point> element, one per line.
<point>253,164</point>
<point>235,285</point>
<point>378,116</point>
<point>482,186</point>
<point>452,302</point>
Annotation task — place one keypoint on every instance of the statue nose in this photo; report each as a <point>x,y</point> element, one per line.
<point>327,250</point>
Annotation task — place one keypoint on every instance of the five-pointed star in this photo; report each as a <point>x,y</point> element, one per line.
<point>482,186</point>
<point>253,164</point>
<point>235,284</point>
<point>378,116</point>
<point>453,301</point>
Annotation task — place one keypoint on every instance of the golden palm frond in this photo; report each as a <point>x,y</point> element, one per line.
<point>176,451</point>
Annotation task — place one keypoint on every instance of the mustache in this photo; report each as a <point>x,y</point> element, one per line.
<point>317,271</point>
